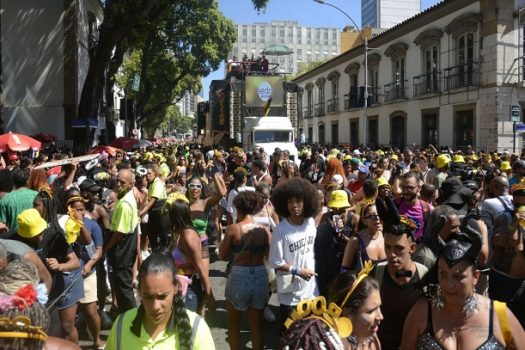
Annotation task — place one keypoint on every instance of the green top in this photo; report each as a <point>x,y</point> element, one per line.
<point>13,204</point>
<point>125,216</point>
<point>167,339</point>
<point>157,189</point>
<point>164,169</point>
<point>200,226</point>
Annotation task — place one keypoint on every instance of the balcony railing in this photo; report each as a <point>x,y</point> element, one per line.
<point>333,105</point>
<point>308,112</point>
<point>463,75</point>
<point>356,97</point>
<point>429,83</point>
<point>319,109</point>
<point>396,90</point>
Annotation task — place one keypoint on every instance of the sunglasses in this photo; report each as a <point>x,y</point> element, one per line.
<point>373,217</point>
<point>194,186</point>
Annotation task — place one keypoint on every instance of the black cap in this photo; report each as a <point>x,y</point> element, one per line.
<point>89,185</point>
<point>452,191</point>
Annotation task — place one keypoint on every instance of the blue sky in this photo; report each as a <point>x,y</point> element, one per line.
<point>306,12</point>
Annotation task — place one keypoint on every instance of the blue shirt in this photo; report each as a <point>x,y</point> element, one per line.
<point>96,235</point>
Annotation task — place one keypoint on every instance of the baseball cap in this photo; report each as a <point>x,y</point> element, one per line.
<point>363,169</point>
<point>89,185</point>
<point>442,160</point>
<point>30,223</point>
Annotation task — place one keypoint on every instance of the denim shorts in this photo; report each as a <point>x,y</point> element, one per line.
<point>247,286</point>
<point>72,281</point>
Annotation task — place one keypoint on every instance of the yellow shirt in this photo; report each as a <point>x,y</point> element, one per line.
<point>125,216</point>
<point>157,189</point>
<point>167,339</point>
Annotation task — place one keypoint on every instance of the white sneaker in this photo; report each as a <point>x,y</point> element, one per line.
<point>268,314</point>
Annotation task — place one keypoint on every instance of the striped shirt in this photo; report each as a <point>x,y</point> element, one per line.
<point>294,245</point>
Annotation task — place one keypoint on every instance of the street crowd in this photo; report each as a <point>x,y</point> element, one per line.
<point>415,248</point>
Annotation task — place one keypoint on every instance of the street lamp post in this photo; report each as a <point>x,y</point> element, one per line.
<point>365,40</point>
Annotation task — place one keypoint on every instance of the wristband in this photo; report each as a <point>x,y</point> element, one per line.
<point>295,271</point>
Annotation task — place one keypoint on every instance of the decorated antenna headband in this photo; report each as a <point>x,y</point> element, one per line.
<point>331,315</point>
<point>389,214</point>
<point>22,329</point>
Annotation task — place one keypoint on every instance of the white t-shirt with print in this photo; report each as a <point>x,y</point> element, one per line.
<point>294,245</point>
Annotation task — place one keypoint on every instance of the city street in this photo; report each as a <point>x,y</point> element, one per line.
<point>217,320</point>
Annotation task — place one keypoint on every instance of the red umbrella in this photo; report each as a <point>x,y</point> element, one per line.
<point>112,151</point>
<point>124,142</point>
<point>44,137</point>
<point>18,142</point>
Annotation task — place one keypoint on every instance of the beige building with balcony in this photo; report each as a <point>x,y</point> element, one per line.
<point>448,76</point>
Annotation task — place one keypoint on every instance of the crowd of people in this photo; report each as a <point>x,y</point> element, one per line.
<point>364,249</point>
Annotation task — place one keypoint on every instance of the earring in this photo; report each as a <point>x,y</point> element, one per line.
<point>470,306</point>
<point>437,299</point>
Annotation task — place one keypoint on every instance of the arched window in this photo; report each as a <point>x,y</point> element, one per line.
<point>398,129</point>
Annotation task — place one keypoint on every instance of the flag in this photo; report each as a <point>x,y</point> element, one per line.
<point>267,107</point>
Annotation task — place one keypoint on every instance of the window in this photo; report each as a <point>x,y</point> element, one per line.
<point>398,88</point>
<point>397,131</point>
<point>310,97</point>
<point>310,134</point>
<point>464,128</point>
<point>254,32</point>
<point>335,88</point>
<point>335,134</point>
<point>373,83</point>
<point>431,57</point>
<point>465,59</point>
<point>263,33</point>
<point>373,131</point>
<point>354,132</point>
<point>321,93</point>
<point>264,136</point>
<point>321,134</point>
<point>429,128</point>
<point>274,33</point>
<point>299,52</point>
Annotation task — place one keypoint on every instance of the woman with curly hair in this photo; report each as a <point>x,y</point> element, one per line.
<point>161,321</point>
<point>38,180</point>
<point>292,248</point>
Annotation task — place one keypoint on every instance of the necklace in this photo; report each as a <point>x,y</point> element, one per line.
<point>369,236</point>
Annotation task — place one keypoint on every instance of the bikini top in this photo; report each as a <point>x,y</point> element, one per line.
<point>179,259</point>
<point>427,340</point>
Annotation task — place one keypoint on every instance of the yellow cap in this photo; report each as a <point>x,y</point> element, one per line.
<point>30,223</point>
<point>442,160</point>
<point>380,152</point>
<point>458,158</point>
<point>505,166</point>
<point>394,156</point>
<point>381,181</point>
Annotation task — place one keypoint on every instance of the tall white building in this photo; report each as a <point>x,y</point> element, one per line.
<point>309,44</point>
<point>387,13</point>
<point>188,104</point>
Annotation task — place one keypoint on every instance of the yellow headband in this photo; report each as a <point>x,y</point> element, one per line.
<point>26,330</point>
<point>331,316</point>
<point>360,277</point>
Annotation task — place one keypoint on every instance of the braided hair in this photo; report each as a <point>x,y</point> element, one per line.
<point>159,263</point>
<point>18,274</point>
<point>310,333</point>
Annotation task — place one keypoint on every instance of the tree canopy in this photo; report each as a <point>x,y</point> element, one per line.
<point>195,37</point>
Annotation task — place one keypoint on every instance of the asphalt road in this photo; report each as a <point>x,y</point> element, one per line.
<point>218,319</point>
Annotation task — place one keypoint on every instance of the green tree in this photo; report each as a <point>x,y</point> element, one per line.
<point>126,25</point>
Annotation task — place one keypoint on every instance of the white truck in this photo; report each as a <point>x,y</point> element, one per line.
<point>269,133</point>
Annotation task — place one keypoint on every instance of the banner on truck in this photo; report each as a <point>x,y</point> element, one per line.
<point>260,89</point>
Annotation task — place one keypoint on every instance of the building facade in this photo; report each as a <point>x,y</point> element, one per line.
<point>451,75</point>
<point>309,44</point>
<point>387,13</point>
<point>44,58</point>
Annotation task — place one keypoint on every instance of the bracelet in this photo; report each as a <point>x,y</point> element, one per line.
<point>295,271</point>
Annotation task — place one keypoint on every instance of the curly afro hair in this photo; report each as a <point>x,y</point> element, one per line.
<point>295,187</point>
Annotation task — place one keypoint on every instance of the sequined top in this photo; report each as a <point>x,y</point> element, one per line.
<point>427,340</point>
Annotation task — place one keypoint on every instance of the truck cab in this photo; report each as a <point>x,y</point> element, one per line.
<point>269,133</point>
